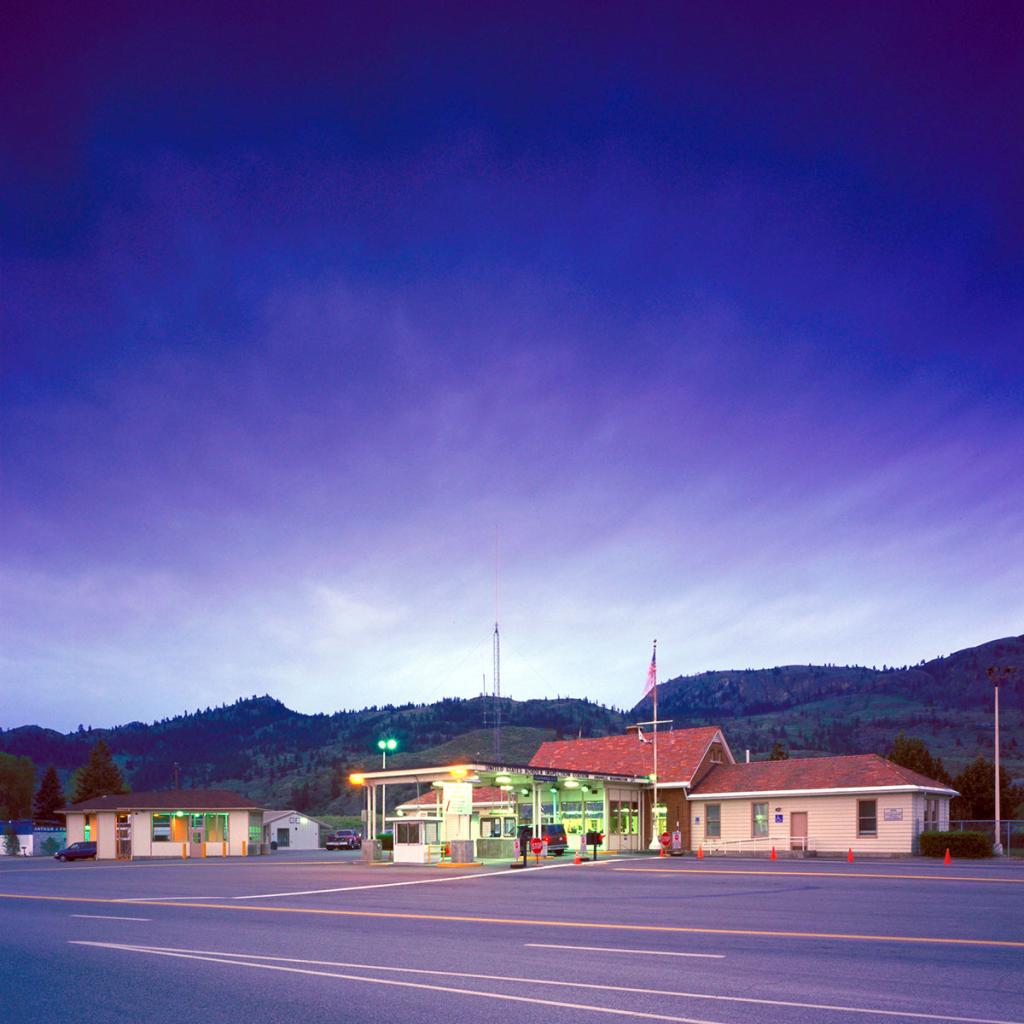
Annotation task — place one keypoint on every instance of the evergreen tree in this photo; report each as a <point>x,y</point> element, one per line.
<point>17,781</point>
<point>100,777</point>
<point>779,753</point>
<point>910,752</point>
<point>50,795</point>
<point>976,786</point>
<point>12,847</point>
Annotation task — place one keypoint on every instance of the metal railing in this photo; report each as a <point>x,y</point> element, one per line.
<point>759,844</point>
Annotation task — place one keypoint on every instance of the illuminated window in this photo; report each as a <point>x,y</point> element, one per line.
<point>161,828</point>
<point>867,817</point>
<point>713,821</point>
<point>759,820</point>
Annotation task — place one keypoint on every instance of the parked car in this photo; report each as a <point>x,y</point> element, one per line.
<point>558,842</point>
<point>77,851</point>
<point>344,839</point>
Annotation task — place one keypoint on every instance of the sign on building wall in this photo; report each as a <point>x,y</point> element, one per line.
<point>457,798</point>
<point>892,814</point>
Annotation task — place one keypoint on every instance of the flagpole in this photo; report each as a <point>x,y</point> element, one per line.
<point>654,808</point>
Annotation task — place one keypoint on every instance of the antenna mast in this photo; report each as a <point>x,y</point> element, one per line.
<point>497,659</point>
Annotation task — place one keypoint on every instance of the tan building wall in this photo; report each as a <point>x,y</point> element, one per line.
<point>75,824</point>
<point>105,835</point>
<point>238,833</point>
<point>831,823</point>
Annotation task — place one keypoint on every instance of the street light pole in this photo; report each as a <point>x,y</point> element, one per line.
<point>998,676</point>
<point>384,745</point>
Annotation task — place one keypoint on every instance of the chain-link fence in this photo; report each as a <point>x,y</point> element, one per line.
<point>1011,833</point>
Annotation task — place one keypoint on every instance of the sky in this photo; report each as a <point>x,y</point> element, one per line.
<point>331,336</point>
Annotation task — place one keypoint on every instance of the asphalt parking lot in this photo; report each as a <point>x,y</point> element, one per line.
<point>327,938</point>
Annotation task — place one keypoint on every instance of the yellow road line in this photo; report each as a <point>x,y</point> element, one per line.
<point>530,922</point>
<point>1002,880</point>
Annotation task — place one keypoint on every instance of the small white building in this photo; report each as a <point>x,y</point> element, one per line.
<point>858,802</point>
<point>167,823</point>
<point>292,830</point>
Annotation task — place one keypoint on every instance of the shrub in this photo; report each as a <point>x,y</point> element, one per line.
<point>51,845</point>
<point>387,840</point>
<point>12,847</point>
<point>970,845</point>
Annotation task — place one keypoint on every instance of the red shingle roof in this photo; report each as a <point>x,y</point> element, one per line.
<point>679,754</point>
<point>854,771</point>
<point>168,800</point>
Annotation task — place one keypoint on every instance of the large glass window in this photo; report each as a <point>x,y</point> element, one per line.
<point>161,828</point>
<point>759,820</point>
<point>867,817</point>
<point>713,821</point>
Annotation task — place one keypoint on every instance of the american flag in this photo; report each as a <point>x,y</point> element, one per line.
<point>652,673</point>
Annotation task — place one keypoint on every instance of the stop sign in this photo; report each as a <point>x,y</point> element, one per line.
<point>537,845</point>
<point>666,839</point>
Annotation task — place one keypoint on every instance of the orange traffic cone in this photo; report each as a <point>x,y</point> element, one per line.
<point>947,859</point>
<point>700,853</point>
<point>773,853</point>
<point>579,859</point>
<point>849,856</point>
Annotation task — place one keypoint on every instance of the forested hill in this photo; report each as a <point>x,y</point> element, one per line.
<point>282,757</point>
<point>272,753</point>
<point>848,709</point>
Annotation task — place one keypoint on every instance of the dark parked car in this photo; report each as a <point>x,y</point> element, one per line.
<point>344,839</point>
<point>77,851</point>
<point>558,843</point>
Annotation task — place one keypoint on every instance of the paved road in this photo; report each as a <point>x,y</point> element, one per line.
<point>324,938</point>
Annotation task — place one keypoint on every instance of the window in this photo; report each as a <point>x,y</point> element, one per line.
<point>867,817</point>
<point>490,828</point>
<point>713,821</point>
<point>161,828</point>
<point>759,820</point>
<point>407,832</point>
<point>509,826</point>
<point>283,837</point>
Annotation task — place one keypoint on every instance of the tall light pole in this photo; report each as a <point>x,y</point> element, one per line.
<point>998,676</point>
<point>385,745</point>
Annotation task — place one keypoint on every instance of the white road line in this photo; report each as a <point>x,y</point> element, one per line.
<point>394,983</point>
<point>638,952</point>
<point>507,873</point>
<point>220,956</point>
<point>108,917</point>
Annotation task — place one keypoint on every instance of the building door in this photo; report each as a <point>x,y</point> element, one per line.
<point>123,837</point>
<point>798,830</point>
<point>195,846</point>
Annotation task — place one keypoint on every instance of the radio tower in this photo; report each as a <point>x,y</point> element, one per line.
<point>497,660</point>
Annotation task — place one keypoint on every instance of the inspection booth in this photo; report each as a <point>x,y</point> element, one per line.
<point>416,840</point>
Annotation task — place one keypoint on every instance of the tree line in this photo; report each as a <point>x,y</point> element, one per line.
<point>99,776</point>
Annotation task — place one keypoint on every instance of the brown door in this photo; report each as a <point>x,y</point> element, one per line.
<point>798,830</point>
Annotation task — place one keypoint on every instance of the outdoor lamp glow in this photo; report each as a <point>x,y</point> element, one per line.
<point>357,778</point>
<point>389,744</point>
<point>571,784</point>
<point>502,779</point>
<point>459,772</point>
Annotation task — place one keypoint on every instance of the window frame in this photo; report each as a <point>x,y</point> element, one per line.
<point>708,834</point>
<point>754,834</point>
<point>861,833</point>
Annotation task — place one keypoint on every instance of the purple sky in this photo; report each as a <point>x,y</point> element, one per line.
<point>716,315</point>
